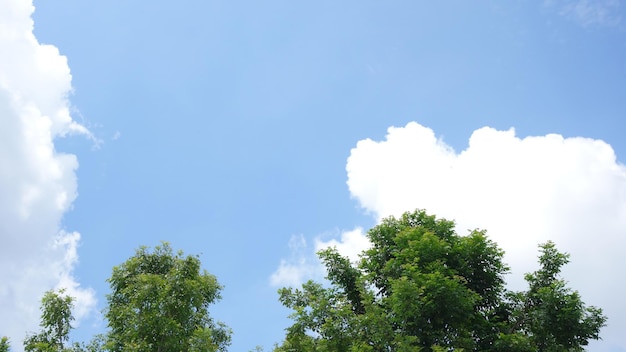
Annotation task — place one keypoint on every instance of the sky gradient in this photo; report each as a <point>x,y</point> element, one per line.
<point>253,134</point>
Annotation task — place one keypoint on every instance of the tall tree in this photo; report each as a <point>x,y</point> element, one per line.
<point>421,286</point>
<point>56,319</point>
<point>159,302</point>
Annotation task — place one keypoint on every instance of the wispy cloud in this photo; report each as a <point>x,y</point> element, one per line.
<point>300,267</point>
<point>589,12</point>
<point>304,264</point>
<point>38,184</point>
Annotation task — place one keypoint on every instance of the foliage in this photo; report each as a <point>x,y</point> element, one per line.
<point>419,287</point>
<point>5,346</point>
<point>159,302</point>
<point>56,319</point>
<point>554,317</point>
<point>423,287</point>
<point>96,344</point>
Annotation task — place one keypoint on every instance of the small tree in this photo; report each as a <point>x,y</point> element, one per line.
<point>56,319</point>
<point>159,302</point>
<point>4,344</point>
<point>553,315</point>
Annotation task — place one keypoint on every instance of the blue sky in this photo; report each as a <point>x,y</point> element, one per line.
<point>225,128</point>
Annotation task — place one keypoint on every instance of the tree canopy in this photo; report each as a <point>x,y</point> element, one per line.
<point>422,286</point>
<point>159,302</point>
<point>419,287</point>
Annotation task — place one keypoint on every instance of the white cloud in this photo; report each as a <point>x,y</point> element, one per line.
<point>350,244</point>
<point>301,267</point>
<point>37,184</point>
<point>589,12</point>
<point>524,191</point>
<point>304,264</point>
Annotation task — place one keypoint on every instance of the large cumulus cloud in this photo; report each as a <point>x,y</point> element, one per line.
<point>37,183</point>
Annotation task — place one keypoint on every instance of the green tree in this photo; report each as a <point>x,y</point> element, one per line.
<point>97,344</point>
<point>159,302</point>
<point>421,286</point>
<point>56,319</point>
<point>5,346</point>
<point>553,315</point>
